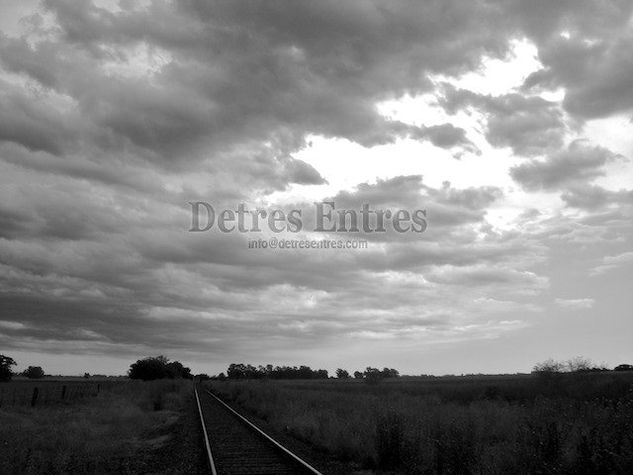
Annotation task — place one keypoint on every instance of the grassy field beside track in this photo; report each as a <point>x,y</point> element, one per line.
<point>130,427</point>
<point>556,423</point>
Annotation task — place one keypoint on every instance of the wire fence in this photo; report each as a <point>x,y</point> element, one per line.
<point>45,393</point>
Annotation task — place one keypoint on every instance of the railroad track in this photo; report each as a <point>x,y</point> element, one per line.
<point>235,446</point>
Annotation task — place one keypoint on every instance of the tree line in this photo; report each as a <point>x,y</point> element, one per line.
<point>160,367</point>
<point>579,364</point>
<point>248,371</point>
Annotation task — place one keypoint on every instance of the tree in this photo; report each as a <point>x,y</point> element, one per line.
<point>358,375</point>
<point>342,374</point>
<point>5,368</point>
<point>158,367</point>
<point>579,364</point>
<point>175,369</point>
<point>389,373</point>
<point>320,374</point>
<point>248,371</point>
<point>548,366</point>
<point>372,375</point>
<point>33,372</point>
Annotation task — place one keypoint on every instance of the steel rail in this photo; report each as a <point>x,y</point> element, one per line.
<point>297,459</point>
<point>206,435</point>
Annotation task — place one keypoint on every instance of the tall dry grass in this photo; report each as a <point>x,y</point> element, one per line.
<point>95,435</point>
<point>574,424</point>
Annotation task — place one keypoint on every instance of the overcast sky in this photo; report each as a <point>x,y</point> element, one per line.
<point>508,121</point>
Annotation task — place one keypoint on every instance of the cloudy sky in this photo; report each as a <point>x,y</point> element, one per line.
<point>509,122</point>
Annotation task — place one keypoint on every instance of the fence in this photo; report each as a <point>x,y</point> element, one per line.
<point>42,393</point>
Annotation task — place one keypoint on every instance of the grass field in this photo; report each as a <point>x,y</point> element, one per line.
<point>130,427</point>
<point>549,423</point>
<point>554,423</point>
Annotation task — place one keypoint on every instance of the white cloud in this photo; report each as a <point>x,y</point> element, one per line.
<point>610,263</point>
<point>575,304</point>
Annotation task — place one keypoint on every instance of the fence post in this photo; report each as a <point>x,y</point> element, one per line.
<point>34,397</point>
<point>63,392</point>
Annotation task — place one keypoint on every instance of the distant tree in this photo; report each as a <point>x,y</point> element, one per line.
<point>203,377</point>
<point>320,374</point>
<point>86,375</point>
<point>358,375</point>
<point>247,371</point>
<point>623,367</point>
<point>33,372</point>
<point>549,366</point>
<point>389,373</point>
<point>175,369</point>
<point>222,377</point>
<point>158,367</point>
<point>5,368</point>
<point>238,371</point>
<point>372,375</point>
<point>149,368</point>
<point>304,372</point>
<point>342,374</point>
<point>579,364</point>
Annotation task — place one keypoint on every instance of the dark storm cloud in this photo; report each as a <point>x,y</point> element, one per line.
<point>301,68</point>
<point>592,197</point>
<point>445,136</point>
<point>591,63</point>
<point>110,121</point>
<point>595,71</point>
<point>580,162</point>
<point>151,276</point>
<point>446,206</point>
<point>303,173</point>
<point>85,321</point>
<point>31,123</point>
<point>529,125</point>
<point>410,189</point>
<point>283,79</point>
<point>100,168</point>
<point>485,276</point>
<point>13,223</point>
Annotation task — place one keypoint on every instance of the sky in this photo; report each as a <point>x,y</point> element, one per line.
<point>507,122</point>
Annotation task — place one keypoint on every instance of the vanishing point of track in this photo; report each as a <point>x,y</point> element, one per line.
<point>235,446</point>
